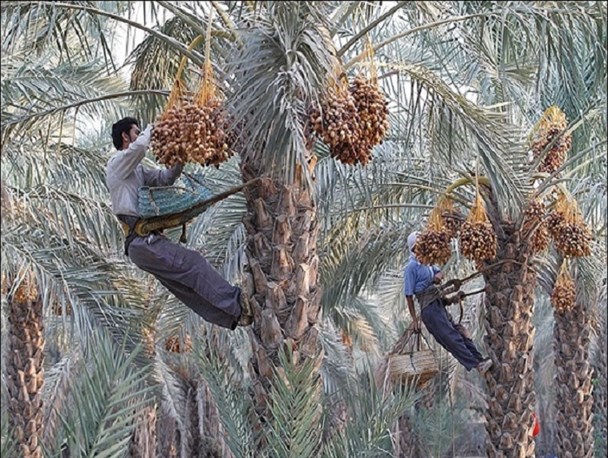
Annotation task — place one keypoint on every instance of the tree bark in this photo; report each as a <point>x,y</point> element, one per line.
<point>511,396</point>
<point>571,334</point>
<point>600,366</point>
<point>24,367</point>
<point>282,234</point>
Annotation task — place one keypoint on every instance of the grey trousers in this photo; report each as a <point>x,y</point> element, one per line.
<point>450,336</point>
<point>190,277</point>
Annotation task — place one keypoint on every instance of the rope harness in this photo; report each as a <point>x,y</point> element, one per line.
<point>129,225</point>
<point>438,292</point>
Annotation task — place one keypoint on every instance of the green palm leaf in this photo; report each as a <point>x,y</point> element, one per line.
<point>7,444</point>
<point>226,387</point>
<point>289,53</point>
<point>106,400</point>
<point>371,413</point>
<point>294,428</point>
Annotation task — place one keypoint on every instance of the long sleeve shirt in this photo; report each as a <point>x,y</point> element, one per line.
<point>417,277</point>
<point>125,175</point>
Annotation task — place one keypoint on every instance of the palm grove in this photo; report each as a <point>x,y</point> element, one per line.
<point>496,119</point>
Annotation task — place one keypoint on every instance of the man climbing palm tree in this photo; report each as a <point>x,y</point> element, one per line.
<point>186,273</point>
<point>421,280</point>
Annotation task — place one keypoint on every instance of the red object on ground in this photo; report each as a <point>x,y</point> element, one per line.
<point>536,426</point>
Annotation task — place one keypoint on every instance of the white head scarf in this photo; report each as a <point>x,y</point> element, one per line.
<point>411,240</point>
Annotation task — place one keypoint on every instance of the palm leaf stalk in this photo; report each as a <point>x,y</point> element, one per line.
<point>106,400</point>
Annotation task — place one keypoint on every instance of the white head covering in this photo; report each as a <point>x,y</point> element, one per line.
<point>411,240</point>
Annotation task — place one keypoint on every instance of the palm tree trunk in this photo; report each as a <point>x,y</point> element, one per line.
<point>600,366</point>
<point>509,339</point>
<point>282,235</point>
<point>571,335</point>
<point>25,374</point>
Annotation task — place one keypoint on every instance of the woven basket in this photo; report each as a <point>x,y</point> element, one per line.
<point>416,363</point>
<point>168,200</point>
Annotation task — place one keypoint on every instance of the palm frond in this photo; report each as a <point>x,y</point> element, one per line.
<point>172,314</point>
<point>371,413</point>
<point>35,90</point>
<point>56,392</point>
<point>439,426</point>
<point>370,26</point>
<point>7,443</point>
<point>551,51</point>
<point>155,66</point>
<point>99,292</point>
<point>389,291</point>
<point>347,268</point>
<point>367,195</point>
<point>83,224</point>
<point>102,13</point>
<point>61,173</point>
<point>174,393</point>
<point>280,70</point>
<point>235,410</point>
<point>294,428</point>
<point>106,400</point>
<point>46,28</point>
<point>336,369</point>
<point>496,144</point>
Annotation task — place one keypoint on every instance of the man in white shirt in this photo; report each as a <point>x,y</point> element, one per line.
<point>184,272</point>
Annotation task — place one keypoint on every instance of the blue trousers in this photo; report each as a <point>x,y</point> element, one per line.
<point>450,336</point>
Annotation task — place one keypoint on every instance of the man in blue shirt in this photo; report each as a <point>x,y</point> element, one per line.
<point>422,280</point>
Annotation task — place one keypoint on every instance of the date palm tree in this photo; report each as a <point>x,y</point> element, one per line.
<point>573,332</point>
<point>459,77</point>
<point>510,290</point>
<point>599,385</point>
